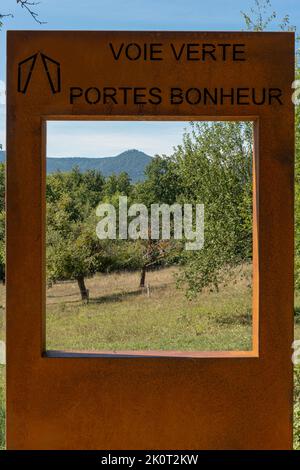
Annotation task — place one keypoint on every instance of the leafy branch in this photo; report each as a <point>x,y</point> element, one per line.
<point>262,15</point>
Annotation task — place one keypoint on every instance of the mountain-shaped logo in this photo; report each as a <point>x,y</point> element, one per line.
<point>51,67</point>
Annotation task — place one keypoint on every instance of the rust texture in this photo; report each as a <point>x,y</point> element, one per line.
<point>227,400</point>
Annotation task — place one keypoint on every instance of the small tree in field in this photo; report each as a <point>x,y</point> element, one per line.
<point>73,250</point>
<point>161,186</point>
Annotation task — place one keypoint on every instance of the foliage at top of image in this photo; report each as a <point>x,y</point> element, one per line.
<point>27,5</point>
<point>261,16</point>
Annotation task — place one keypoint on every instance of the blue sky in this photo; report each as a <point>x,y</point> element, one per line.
<point>109,138</point>
<point>105,139</point>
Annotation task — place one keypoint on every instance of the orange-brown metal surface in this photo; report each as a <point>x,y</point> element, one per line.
<point>230,400</point>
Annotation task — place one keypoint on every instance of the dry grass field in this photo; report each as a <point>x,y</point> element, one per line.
<point>122,316</point>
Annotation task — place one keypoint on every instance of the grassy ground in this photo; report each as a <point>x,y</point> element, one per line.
<point>121,316</point>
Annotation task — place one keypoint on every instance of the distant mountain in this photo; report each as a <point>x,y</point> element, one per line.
<point>132,161</point>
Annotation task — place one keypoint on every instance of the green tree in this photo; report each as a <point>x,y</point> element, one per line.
<point>117,185</point>
<point>125,254</point>
<point>215,165</point>
<point>73,249</point>
<point>162,183</point>
<point>161,186</point>
<point>86,188</point>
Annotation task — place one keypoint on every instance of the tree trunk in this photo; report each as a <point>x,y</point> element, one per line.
<point>82,288</point>
<point>143,276</point>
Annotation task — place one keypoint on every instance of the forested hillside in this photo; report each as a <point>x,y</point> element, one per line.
<point>133,162</point>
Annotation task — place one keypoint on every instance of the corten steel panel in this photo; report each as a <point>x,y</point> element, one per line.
<point>208,400</point>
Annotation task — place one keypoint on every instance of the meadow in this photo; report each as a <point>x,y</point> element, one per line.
<point>121,316</point>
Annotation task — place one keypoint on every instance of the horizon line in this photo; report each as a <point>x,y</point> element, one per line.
<point>91,156</point>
